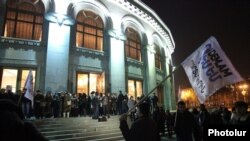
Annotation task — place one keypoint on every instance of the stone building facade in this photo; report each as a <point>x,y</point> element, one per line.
<point>86,45</point>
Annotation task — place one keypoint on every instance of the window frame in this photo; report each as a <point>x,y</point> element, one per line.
<point>133,43</point>
<point>97,28</point>
<point>158,63</point>
<point>20,21</point>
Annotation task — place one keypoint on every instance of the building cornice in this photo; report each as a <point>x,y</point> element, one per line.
<point>148,15</point>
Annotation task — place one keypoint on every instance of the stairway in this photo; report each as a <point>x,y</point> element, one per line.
<point>80,129</point>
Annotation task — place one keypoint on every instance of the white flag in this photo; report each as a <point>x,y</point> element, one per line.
<point>29,86</point>
<point>208,69</point>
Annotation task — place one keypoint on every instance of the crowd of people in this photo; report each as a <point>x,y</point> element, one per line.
<point>187,124</point>
<point>65,104</point>
<point>149,120</point>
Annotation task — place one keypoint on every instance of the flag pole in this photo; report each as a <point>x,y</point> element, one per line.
<point>20,99</point>
<point>141,100</point>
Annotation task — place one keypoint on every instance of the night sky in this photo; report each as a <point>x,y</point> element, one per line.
<point>192,22</point>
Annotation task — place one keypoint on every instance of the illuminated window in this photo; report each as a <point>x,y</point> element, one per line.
<point>88,82</point>
<point>135,88</point>
<point>133,44</point>
<point>157,57</point>
<point>89,31</point>
<point>24,20</point>
<point>15,78</point>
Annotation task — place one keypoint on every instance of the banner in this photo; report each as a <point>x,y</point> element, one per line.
<point>208,69</point>
<point>29,86</point>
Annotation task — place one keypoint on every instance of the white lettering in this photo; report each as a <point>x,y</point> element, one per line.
<point>210,131</point>
<point>215,132</point>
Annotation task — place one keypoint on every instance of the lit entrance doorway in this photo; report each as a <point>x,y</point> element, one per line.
<point>88,82</point>
<point>14,78</point>
<point>134,88</point>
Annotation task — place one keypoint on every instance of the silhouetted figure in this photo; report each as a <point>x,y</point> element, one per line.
<point>119,102</point>
<point>241,116</point>
<point>160,118</point>
<point>12,125</point>
<point>169,123</point>
<point>142,129</point>
<point>95,104</point>
<point>204,118</point>
<point>185,124</point>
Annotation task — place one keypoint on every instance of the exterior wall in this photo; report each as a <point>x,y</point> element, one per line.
<point>23,54</point>
<point>56,69</point>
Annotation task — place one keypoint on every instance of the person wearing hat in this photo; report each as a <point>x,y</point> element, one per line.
<point>143,128</point>
<point>12,125</point>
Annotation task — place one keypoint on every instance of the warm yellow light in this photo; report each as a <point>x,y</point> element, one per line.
<point>244,92</point>
<point>243,86</point>
<point>188,95</point>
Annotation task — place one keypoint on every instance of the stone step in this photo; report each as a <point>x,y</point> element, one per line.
<point>91,127</point>
<point>80,129</point>
<point>87,136</point>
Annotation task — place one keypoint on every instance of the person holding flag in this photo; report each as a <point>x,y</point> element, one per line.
<point>26,105</point>
<point>26,99</point>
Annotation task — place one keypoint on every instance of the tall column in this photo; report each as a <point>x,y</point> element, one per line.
<point>57,57</point>
<point>150,68</point>
<point>117,62</point>
<point>169,94</point>
<point>173,96</point>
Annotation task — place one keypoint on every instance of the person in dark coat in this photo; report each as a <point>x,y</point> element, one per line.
<point>95,104</point>
<point>39,104</point>
<point>12,124</point>
<point>56,105</point>
<point>159,118</point>
<point>119,102</point>
<point>204,118</point>
<point>185,124</point>
<point>143,128</point>
<point>169,123</point>
<point>48,111</point>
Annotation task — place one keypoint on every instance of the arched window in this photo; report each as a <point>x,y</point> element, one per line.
<point>24,20</point>
<point>89,30</point>
<point>157,57</point>
<point>133,44</point>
